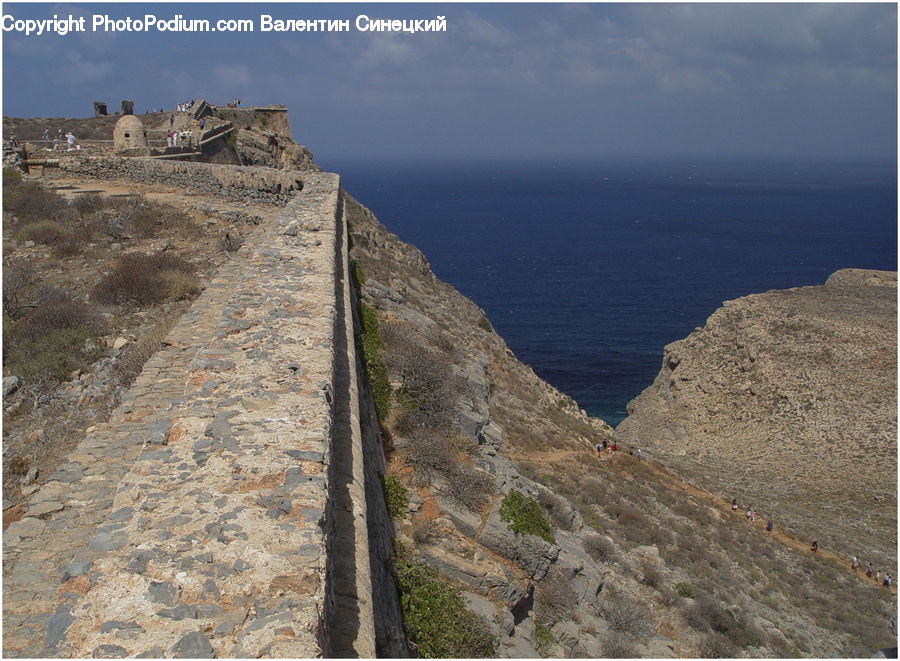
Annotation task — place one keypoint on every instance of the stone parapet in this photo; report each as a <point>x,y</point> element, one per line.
<point>195,522</point>
<point>234,183</point>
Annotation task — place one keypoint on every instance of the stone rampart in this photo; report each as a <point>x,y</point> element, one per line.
<point>222,510</point>
<point>251,184</point>
<point>267,118</point>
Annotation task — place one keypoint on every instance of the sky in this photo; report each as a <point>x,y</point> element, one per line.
<point>504,81</point>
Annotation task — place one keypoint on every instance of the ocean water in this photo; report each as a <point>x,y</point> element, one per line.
<point>589,269</point>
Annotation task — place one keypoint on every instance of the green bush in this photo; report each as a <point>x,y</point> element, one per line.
<point>375,369</point>
<point>524,515</point>
<point>684,589</point>
<point>51,341</point>
<point>435,616</point>
<point>543,638</point>
<point>396,496</point>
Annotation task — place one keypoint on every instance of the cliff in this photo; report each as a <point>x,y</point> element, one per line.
<point>295,425</point>
<point>787,401</point>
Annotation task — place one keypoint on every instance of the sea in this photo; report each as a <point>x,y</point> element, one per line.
<point>588,269</point>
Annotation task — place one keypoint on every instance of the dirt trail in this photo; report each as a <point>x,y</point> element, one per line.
<point>676,482</point>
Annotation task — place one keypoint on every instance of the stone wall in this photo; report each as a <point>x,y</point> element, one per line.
<point>222,510</point>
<point>273,118</point>
<point>251,184</point>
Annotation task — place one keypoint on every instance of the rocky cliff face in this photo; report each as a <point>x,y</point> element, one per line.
<point>633,563</point>
<point>787,401</point>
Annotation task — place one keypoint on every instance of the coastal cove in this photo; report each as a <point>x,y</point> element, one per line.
<point>589,269</point>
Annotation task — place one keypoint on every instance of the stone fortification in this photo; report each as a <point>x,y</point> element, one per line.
<point>209,515</point>
<point>787,401</point>
<point>267,118</point>
<point>250,184</point>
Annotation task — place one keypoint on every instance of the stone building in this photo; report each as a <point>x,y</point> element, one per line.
<point>130,137</point>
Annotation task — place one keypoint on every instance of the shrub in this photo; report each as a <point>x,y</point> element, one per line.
<point>468,486</point>
<point>135,354</point>
<point>716,646</point>
<point>651,574</point>
<point>435,617</point>
<point>557,508</point>
<point>600,548</point>
<point>396,496</point>
<point>424,530</point>
<point>230,242</point>
<point>88,203</point>
<point>147,279</point>
<point>30,202</point>
<point>543,638</point>
<point>67,244</point>
<point>626,615</point>
<point>44,231</point>
<point>370,338</point>
<point>617,646</point>
<point>523,515</point>
<point>17,278</point>
<point>429,455</point>
<point>53,340</point>
<point>554,596</point>
<point>684,590</point>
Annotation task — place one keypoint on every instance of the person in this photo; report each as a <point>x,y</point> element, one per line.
<point>614,447</point>
<point>749,511</point>
<point>203,126</point>
<point>171,121</point>
<point>888,580</point>
<point>854,562</point>
<point>770,526</point>
<point>169,137</point>
<point>46,135</point>
<point>878,576</point>
<point>175,137</point>
<point>599,448</point>
<point>869,570</point>
<point>605,444</point>
<point>814,546</point>
<point>70,140</point>
<point>638,454</point>
<point>734,505</point>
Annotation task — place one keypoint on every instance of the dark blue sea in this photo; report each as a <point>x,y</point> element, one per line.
<point>589,269</point>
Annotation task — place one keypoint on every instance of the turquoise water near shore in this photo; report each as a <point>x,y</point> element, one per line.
<point>589,269</point>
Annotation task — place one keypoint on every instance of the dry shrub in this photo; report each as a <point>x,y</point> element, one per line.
<point>31,202</point>
<point>554,597</point>
<point>17,466</point>
<point>600,548</point>
<point>429,388</point>
<point>42,231</point>
<point>53,340</point>
<point>230,242</point>
<point>134,355</point>
<point>651,574</point>
<point>468,486</point>
<point>704,614</point>
<point>617,646</point>
<point>147,279</point>
<point>18,276</point>
<point>716,646</point>
<point>557,508</point>
<point>88,203</point>
<point>626,615</point>
<point>429,455</point>
<point>424,530</point>
<point>68,244</point>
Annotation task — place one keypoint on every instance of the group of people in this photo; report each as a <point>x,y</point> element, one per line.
<point>610,447</point>
<point>184,107</point>
<point>172,137</point>
<point>236,103</point>
<point>751,515</point>
<point>873,573</point>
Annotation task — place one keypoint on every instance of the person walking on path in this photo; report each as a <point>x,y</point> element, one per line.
<point>770,526</point>
<point>888,580</point>
<point>734,505</point>
<point>878,576</point>
<point>637,453</point>
<point>599,448</point>
<point>814,546</point>
<point>854,563</point>
<point>868,570</point>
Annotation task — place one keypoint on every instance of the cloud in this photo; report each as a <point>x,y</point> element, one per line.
<point>232,75</point>
<point>79,70</point>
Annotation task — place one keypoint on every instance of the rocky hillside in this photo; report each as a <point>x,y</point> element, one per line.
<point>787,401</point>
<point>560,552</point>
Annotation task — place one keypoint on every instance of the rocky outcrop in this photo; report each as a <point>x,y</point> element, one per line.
<point>787,401</point>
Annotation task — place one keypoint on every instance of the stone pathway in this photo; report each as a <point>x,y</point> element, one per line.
<point>192,523</point>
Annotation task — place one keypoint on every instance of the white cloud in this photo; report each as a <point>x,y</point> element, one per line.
<point>233,75</point>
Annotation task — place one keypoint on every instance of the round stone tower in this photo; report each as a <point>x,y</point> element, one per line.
<point>130,136</point>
